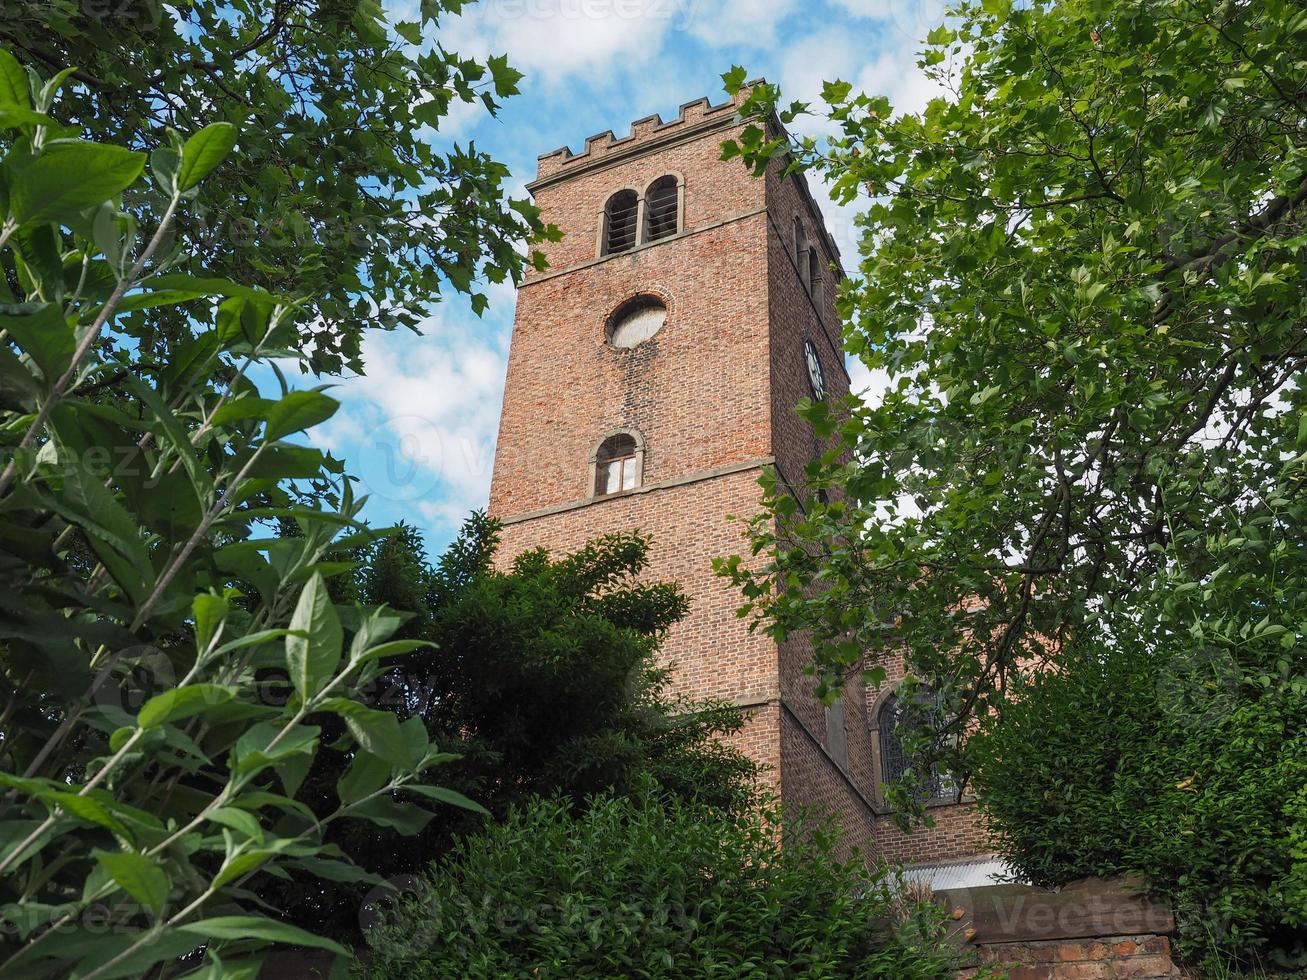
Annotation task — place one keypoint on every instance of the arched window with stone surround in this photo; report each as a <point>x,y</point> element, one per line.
<point>894,762</point>
<point>621,215</point>
<point>618,464</point>
<point>662,208</point>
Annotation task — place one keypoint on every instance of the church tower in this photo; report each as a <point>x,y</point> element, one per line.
<point>654,371</point>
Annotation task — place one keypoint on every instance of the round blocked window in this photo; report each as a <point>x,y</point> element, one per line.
<point>636,321</point>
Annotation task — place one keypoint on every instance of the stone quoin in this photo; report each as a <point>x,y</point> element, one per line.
<point>653,372</point>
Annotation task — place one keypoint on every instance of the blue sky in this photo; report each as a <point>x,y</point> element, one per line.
<point>419,427</point>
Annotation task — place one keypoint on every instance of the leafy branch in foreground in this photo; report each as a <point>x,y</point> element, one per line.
<point>347,183</point>
<point>159,662</point>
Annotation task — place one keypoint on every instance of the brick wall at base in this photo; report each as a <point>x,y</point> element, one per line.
<point>1108,958</point>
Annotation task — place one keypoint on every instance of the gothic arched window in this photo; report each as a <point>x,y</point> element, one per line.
<point>662,209</point>
<point>895,763</point>
<point>618,464</point>
<point>620,216</point>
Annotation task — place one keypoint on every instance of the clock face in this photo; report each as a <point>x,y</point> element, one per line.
<point>815,377</point>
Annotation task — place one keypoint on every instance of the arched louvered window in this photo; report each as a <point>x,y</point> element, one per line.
<point>814,274</point>
<point>895,763</point>
<point>620,216</point>
<point>617,464</point>
<point>800,243</point>
<point>662,209</point>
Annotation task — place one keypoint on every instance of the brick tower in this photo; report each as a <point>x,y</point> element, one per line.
<point>653,373</point>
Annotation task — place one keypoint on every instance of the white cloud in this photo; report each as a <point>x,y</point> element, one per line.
<point>748,22</point>
<point>558,38</point>
<point>419,428</point>
<point>867,384</point>
<point>895,74</point>
<point>910,20</point>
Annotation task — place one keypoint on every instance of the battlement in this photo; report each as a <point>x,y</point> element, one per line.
<point>646,130</point>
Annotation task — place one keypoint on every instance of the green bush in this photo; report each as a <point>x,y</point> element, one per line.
<point>1183,768</point>
<point>542,677</point>
<point>654,888</point>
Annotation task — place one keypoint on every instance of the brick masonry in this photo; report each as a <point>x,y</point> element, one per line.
<point>1143,957</point>
<point>712,397</point>
<point>1095,929</point>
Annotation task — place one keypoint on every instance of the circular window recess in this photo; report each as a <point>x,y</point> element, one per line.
<point>636,321</point>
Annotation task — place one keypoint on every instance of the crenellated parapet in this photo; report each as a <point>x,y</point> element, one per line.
<point>692,117</point>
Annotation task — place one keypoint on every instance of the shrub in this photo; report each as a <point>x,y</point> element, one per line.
<point>1184,769</point>
<point>644,887</point>
<point>542,677</point>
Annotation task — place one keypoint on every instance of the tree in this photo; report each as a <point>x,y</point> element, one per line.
<point>542,677</point>
<point>340,193</point>
<point>1082,273</point>
<point>149,781</point>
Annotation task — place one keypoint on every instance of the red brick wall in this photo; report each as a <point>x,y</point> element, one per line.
<point>810,778</point>
<point>714,653</point>
<point>697,391</point>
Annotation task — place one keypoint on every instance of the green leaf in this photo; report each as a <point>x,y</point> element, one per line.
<point>442,795</point>
<point>406,818</point>
<point>203,152</point>
<point>376,731</point>
<point>254,751</point>
<point>410,32</point>
<point>299,410</point>
<point>208,611</point>
<point>13,118</point>
<point>365,775</point>
<point>68,178</point>
<point>111,531</point>
<point>252,640</point>
<point>138,876</point>
<point>313,651</point>
<point>52,87</point>
<point>257,927</point>
<point>392,649</point>
<point>182,702</point>
<point>239,820</point>
<point>44,335</point>
<point>733,80</point>
<point>13,83</point>
<point>249,407</point>
<point>333,870</point>
<point>87,809</point>
<point>242,864</point>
